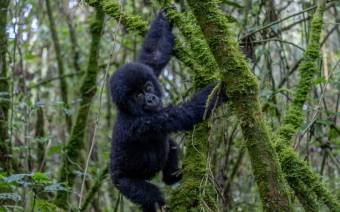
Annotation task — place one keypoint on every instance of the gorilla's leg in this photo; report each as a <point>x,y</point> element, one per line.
<point>171,172</point>
<point>141,192</point>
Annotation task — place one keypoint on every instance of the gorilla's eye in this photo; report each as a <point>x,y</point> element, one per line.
<point>148,87</point>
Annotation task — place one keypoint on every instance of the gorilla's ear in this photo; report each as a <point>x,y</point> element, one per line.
<point>158,43</point>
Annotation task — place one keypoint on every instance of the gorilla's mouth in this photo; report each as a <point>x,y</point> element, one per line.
<point>154,106</point>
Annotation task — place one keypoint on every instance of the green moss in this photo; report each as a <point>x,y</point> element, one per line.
<point>75,143</point>
<point>299,175</point>
<point>243,92</point>
<point>196,191</point>
<point>308,68</point>
<point>131,22</point>
<point>198,45</point>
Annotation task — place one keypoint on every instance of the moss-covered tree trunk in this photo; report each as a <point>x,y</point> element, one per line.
<point>243,92</point>
<point>196,191</point>
<point>306,183</point>
<point>88,88</point>
<point>5,146</point>
<point>40,137</point>
<point>60,63</point>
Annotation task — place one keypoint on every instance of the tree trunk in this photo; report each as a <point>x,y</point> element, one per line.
<point>75,143</point>
<point>243,93</point>
<point>299,175</point>
<point>62,80</point>
<point>196,190</point>
<point>5,147</point>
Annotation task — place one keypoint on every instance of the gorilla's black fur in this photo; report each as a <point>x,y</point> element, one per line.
<point>141,146</point>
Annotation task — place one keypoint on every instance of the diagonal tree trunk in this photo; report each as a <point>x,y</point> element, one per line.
<point>243,93</point>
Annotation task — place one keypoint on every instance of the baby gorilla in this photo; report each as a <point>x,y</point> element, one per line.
<point>141,146</point>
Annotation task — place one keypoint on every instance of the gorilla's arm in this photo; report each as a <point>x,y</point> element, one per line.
<point>158,44</point>
<point>178,118</point>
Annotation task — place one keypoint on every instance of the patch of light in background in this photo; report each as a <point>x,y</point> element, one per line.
<point>34,28</point>
<point>26,10</point>
<point>72,3</point>
<point>13,29</point>
<point>169,75</point>
<point>34,24</point>
<point>44,61</point>
<point>24,36</point>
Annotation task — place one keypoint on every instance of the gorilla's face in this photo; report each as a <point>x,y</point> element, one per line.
<point>135,89</point>
<point>147,98</point>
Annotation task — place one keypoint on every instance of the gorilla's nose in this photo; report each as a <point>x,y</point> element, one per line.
<point>151,99</point>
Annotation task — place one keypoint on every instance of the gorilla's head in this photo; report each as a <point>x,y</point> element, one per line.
<point>135,89</point>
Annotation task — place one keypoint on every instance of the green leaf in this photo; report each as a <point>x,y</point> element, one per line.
<point>54,150</point>
<point>45,206</point>
<point>320,80</point>
<point>30,56</point>
<point>39,177</point>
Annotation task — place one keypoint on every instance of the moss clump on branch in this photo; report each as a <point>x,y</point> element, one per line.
<point>198,45</point>
<point>243,93</point>
<point>75,144</point>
